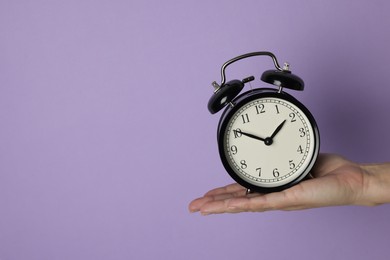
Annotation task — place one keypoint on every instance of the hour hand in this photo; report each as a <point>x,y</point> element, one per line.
<point>278,129</point>
<point>249,135</point>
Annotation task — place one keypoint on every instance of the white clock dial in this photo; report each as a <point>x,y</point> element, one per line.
<point>269,142</point>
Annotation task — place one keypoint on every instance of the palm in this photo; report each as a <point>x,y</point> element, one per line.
<point>337,182</point>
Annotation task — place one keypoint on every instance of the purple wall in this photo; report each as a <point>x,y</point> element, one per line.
<point>105,136</point>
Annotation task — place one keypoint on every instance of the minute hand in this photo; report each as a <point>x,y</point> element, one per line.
<point>277,129</point>
<point>253,136</point>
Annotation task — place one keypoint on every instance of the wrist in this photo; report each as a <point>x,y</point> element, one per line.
<point>377,182</point>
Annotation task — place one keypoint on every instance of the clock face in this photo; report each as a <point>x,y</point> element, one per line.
<point>269,142</point>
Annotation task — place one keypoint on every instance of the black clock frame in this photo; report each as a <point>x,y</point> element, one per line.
<point>240,101</point>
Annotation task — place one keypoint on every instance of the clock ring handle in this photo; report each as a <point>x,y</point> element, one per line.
<point>244,56</point>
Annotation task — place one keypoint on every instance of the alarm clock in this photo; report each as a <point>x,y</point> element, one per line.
<point>267,140</point>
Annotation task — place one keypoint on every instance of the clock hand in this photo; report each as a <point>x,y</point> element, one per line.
<point>252,136</point>
<point>277,129</point>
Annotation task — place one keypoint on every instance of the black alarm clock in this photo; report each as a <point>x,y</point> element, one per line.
<point>268,141</point>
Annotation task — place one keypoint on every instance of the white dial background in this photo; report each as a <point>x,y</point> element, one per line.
<point>279,163</point>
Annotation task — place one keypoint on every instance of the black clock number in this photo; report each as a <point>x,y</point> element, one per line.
<point>292,115</point>
<point>300,150</point>
<point>234,149</point>
<point>302,131</point>
<point>276,173</point>
<point>277,109</point>
<point>260,109</point>
<point>245,118</point>
<point>292,164</point>
<point>258,171</point>
<point>237,133</point>
<point>243,164</point>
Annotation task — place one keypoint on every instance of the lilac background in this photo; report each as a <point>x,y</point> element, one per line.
<point>105,136</point>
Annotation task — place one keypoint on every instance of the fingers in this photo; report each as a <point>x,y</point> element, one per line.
<point>224,206</point>
<point>229,199</point>
<point>231,188</point>
<point>256,202</point>
<point>197,204</point>
<point>213,197</point>
<point>233,199</point>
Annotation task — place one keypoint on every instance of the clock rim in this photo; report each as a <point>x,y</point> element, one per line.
<point>242,100</point>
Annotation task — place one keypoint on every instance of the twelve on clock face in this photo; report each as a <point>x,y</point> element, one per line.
<point>269,142</point>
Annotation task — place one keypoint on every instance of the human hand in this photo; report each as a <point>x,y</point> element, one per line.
<point>336,181</point>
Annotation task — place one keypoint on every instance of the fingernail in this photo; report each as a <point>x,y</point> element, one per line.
<point>205,213</point>
<point>193,210</point>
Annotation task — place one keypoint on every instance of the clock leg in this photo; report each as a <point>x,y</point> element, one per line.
<point>249,191</point>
